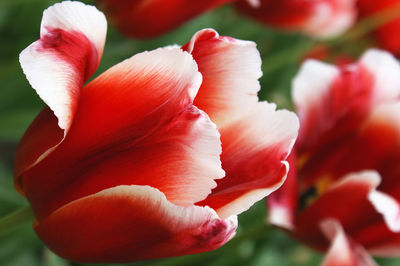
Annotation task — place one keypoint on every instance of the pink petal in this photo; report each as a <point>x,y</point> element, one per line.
<point>129,223</point>
<point>231,69</point>
<point>151,18</point>
<point>343,251</point>
<point>135,125</point>
<point>254,150</point>
<point>68,52</point>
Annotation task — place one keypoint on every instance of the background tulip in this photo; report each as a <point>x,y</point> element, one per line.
<point>386,35</point>
<point>345,188</point>
<point>315,18</point>
<point>122,169</point>
<point>143,19</point>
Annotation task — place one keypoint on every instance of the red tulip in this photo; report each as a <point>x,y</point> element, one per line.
<point>387,35</point>
<point>151,18</point>
<point>127,167</point>
<point>346,189</point>
<point>318,18</point>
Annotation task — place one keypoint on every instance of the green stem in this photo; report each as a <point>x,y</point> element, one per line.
<point>15,219</point>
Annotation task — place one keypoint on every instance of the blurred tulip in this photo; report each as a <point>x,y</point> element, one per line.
<point>318,18</point>
<point>127,167</point>
<point>346,188</point>
<point>151,18</point>
<point>387,35</point>
<point>144,18</point>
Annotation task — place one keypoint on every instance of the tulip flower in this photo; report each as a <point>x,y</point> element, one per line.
<point>128,166</point>
<point>151,18</point>
<point>144,18</point>
<point>344,196</point>
<point>386,35</point>
<point>320,18</point>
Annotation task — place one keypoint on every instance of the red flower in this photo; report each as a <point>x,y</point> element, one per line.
<point>318,18</point>
<point>151,18</point>
<point>127,167</point>
<point>347,160</point>
<point>387,35</point>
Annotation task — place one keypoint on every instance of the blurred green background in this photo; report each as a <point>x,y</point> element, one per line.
<point>255,243</point>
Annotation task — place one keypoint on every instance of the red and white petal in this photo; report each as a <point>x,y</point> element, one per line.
<point>388,207</point>
<point>310,91</point>
<point>282,204</point>
<point>316,18</point>
<point>76,17</point>
<point>71,43</point>
<point>343,251</point>
<point>345,201</point>
<point>151,18</point>
<point>136,124</point>
<point>386,71</point>
<point>129,223</point>
<point>254,152</point>
<point>331,18</point>
<point>57,65</point>
<point>381,132</point>
<point>231,69</point>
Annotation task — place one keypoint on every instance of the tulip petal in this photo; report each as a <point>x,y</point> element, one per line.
<point>72,37</point>
<point>386,70</point>
<point>321,19</point>
<point>150,18</point>
<point>345,201</point>
<point>254,152</point>
<point>231,69</point>
<point>252,133</point>
<point>388,207</point>
<point>135,125</point>
<point>333,102</point>
<point>68,52</point>
<point>310,91</point>
<point>343,251</point>
<point>282,204</point>
<point>129,223</point>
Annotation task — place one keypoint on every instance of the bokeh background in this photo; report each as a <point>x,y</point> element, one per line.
<point>282,52</point>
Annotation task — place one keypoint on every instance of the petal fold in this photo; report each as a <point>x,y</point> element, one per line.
<point>254,152</point>
<point>231,69</point>
<point>68,52</point>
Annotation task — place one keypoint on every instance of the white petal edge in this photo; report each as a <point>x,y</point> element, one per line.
<point>76,16</point>
<point>388,207</point>
<point>341,251</point>
<point>327,23</point>
<point>312,83</point>
<point>386,70</point>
